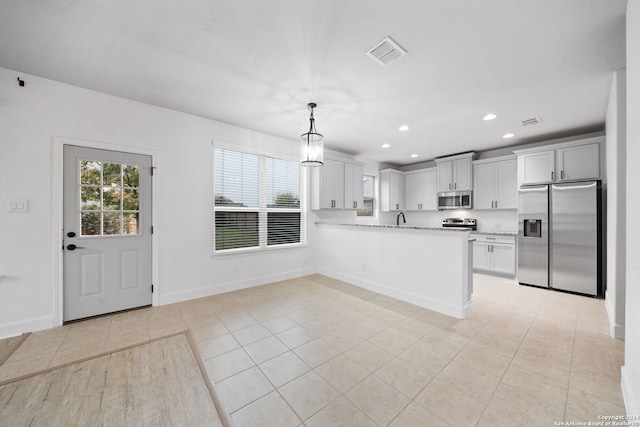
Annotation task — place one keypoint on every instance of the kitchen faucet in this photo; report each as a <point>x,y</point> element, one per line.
<point>404,220</point>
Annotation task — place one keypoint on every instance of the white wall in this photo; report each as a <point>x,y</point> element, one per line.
<point>631,369</point>
<point>31,115</point>
<point>616,153</point>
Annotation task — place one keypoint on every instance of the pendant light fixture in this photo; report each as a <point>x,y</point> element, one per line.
<point>312,146</point>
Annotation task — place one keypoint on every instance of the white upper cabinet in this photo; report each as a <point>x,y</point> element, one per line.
<point>455,172</point>
<point>572,161</point>
<point>506,185</point>
<point>391,190</point>
<point>483,186</point>
<point>353,189</point>
<point>445,175</point>
<point>581,162</point>
<point>495,184</point>
<point>336,185</point>
<point>537,167</point>
<point>420,190</point>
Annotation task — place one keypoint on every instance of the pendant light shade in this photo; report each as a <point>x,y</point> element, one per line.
<point>312,146</point>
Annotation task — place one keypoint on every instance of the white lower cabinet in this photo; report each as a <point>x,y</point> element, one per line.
<point>494,254</point>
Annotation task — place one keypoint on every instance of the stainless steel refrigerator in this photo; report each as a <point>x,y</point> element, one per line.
<point>559,236</point>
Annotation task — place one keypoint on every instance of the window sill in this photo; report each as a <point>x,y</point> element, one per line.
<point>257,251</point>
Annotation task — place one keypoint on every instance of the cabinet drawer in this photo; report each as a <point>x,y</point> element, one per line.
<point>492,238</point>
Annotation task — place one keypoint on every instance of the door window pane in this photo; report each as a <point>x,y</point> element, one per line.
<point>111,224</point>
<point>90,198</point>
<point>130,223</point>
<point>109,198</point>
<point>89,172</point>
<point>90,223</point>
<point>130,175</point>
<point>111,174</point>
<point>130,200</point>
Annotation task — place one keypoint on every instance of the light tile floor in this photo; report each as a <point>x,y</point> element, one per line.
<point>315,351</point>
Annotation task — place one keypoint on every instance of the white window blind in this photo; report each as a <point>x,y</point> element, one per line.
<point>257,201</point>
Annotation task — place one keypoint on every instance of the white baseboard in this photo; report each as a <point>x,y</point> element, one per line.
<point>409,297</point>
<point>627,393</point>
<point>17,328</point>
<point>615,330</point>
<point>221,288</point>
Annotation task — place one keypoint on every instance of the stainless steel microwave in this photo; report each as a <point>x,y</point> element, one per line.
<point>454,200</point>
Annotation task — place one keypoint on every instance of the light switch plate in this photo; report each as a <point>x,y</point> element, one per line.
<point>17,206</point>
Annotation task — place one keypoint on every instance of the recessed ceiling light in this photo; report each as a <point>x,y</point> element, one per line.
<point>385,146</point>
<point>403,128</point>
<point>414,155</point>
<point>489,116</point>
<point>508,135</point>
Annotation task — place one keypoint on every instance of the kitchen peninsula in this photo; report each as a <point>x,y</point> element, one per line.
<point>427,266</point>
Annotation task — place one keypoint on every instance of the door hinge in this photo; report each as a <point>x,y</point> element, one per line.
<point>152,229</point>
<point>152,288</point>
<point>153,170</point>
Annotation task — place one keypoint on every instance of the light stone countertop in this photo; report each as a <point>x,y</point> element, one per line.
<point>419,227</point>
<point>401,227</point>
<point>496,232</point>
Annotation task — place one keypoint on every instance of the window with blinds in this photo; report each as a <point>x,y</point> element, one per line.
<point>257,201</point>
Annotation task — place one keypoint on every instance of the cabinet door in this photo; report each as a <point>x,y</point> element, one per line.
<point>506,185</point>
<point>537,167</point>
<point>396,191</point>
<point>504,258</point>
<point>420,191</point>
<point>445,174</point>
<point>481,256</point>
<point>353,190</point>
<point>413,191</point>
<point>332,188</point>
<point>581,162</point>
<point>430,191</point>
<point>483,186</point>
<point>462,174</point>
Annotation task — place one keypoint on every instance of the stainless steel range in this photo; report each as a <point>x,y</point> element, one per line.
<point>469,223</point>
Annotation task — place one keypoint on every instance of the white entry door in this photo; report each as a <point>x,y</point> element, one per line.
<point>107,231</point>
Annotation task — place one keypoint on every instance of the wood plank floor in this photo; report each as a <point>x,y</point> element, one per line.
<point>9,345</point>
<point>157,383</point>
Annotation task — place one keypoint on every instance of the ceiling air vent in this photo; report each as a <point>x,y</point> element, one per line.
<point>531,122</point>
<point>386,52</point>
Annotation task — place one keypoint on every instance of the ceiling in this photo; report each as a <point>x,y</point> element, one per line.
<point>257,63</point>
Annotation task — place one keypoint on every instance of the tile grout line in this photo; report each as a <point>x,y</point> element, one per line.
<point>508,366</point>
<point>573,351</point>
<point>22,338</point>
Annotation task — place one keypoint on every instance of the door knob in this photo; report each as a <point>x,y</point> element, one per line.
<point>73,247</point>
<point>71,234</point>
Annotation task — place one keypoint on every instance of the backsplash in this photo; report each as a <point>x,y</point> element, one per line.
<point>488,220</point>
